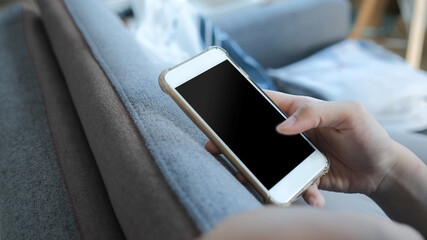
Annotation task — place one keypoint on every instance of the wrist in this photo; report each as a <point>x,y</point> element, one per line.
<point>403,167</point>
<point>402,192</point>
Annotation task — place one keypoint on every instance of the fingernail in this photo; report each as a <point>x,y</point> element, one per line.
<point>287,123</point>
<point>313,201</point>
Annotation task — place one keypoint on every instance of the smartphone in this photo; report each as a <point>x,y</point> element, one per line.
<point>223,101</point>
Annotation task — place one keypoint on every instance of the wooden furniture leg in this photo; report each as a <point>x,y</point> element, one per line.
<point>416,33</point>
<point>369,9</point>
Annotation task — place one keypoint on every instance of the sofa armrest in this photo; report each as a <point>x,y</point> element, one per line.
<point>280,33</point>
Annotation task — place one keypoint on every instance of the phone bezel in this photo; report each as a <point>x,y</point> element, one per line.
<point>291,186</point>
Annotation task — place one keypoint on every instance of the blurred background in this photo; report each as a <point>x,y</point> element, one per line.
<point>398,25</point>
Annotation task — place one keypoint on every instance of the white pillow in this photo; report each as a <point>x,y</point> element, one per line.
<point>393,92</point>
<point>167,28</point>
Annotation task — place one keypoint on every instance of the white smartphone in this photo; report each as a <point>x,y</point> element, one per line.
<point>241,120</point>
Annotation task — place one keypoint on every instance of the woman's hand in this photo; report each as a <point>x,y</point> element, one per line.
<point>360,151</point>
<point>363,158</point>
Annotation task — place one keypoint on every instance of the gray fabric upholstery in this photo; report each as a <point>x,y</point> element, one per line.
<point>94,215</point>
<point>283,32</point>
<point>34,203</point>
<point>157,174</point>
<point>156,117</point>
<point>423,132</point>
<point>206,189</point>
<point>143,202</point>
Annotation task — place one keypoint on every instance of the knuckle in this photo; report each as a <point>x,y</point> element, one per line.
<point>357,106</point>
<point>307,108</point>
<point>309,113</point>
<point>311,99</point>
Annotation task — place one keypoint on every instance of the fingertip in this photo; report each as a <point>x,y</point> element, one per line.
<point>210,146</point>
<point>312,201</point>
<point>241,178</point>
<point>314,197</point>
<point>286,125</point>
<point>316,201</point>
<point>320,201</point>
<point>309,196</point>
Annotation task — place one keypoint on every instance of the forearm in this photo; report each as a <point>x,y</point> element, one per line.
<point>307,223</point>
<point>403,193</point>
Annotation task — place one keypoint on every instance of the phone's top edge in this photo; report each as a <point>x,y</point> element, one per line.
<point>186,68</point>
<point>197,55</point>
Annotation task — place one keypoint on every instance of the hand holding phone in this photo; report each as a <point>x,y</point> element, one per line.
<point>224,102</point>
<point>360,150</point>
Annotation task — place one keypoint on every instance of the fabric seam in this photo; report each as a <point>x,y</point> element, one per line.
<point>94,53</point>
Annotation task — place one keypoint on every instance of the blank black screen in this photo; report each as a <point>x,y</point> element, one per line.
<point>245,121</point>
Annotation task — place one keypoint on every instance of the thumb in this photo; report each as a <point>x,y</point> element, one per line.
<point>338,115</point>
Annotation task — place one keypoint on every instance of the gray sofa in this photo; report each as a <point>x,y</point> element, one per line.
<point>91,148</point>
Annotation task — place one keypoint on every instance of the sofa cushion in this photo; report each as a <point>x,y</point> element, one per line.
<point>135,130</point>
<point>282,32</point>
<point>34,203</point>
<point>91,205</point>
<point>363,71</point>
<point>142,199</point>
<point>50,186</point>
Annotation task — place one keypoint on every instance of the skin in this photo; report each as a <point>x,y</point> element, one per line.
<point>363,159</point>
<point>307,224</point>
